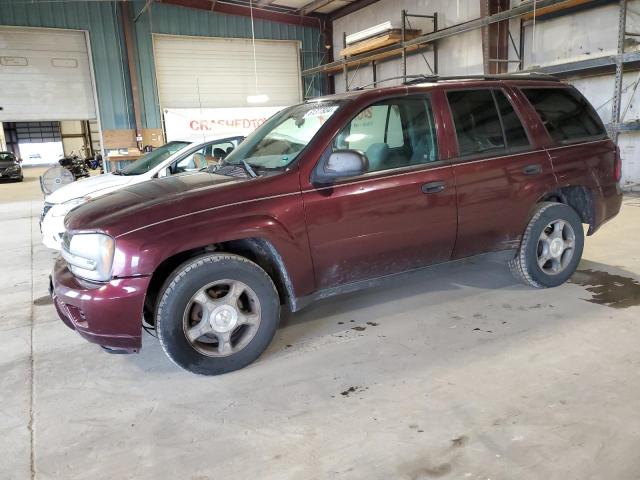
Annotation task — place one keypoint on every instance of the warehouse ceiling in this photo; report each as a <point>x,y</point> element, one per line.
<point>304,8</point>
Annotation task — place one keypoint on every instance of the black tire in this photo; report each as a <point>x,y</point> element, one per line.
<point>192,276</point>
<point>524,265</point>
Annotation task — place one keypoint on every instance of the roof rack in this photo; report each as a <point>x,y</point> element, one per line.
<point>421,78</point>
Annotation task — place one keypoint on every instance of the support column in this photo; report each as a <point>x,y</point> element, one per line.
<point>130,42</point>
<point>617,93</point>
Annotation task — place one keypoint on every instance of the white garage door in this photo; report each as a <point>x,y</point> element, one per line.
<point>44,75</point>
<point>206,72</point>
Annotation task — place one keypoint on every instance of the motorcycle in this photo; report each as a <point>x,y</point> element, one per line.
<point>75,165</point>
<point>95,162</point>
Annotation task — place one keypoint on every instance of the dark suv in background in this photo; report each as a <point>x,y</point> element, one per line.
<point>10,167</point>
<point>331,194</point>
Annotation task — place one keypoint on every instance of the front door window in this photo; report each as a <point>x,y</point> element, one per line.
<point>392,134</point>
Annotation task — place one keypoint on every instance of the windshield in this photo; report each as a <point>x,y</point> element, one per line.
<point>7,157</point>
<point>152,159</point>
<point>277,143</point>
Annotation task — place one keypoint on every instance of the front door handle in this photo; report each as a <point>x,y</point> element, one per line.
<point>433,187</point>
<point>534,169</point>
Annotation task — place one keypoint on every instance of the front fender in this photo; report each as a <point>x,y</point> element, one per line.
<point>278,220</point>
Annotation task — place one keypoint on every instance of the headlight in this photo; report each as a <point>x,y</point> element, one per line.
<point>61,209</point>
<point>13,168</point>
<point>89,255</point>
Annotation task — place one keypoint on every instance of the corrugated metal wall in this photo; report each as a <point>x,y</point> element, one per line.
<point>172,20</point>
<point>100,19</point>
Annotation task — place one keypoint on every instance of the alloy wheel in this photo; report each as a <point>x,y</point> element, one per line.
<point>222,318</point>
<point>556,246</point>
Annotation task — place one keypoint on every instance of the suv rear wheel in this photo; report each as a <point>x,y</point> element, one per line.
<point>217,313</point>
<point>551,246</point>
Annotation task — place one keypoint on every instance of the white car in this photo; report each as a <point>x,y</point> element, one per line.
<point>174,157</point>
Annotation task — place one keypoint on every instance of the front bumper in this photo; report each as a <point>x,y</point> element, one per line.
<point>108,314</point>
<point>52,229</point>
<point>14,175</point>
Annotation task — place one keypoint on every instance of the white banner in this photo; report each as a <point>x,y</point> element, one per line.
<point>193,123</point>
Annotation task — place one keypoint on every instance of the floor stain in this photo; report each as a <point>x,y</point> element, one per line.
<point>460,441</point>
<point>608,289</point>
<point>351,390</point>
<point>432,471</point>
<point>46,300</point>
<point>373,324</point>
<point>358,329</point>
<point>480,330</point>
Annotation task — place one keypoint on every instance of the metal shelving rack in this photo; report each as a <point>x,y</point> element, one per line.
<point>614,129</point>
<point>619,62</point>
<point>372,57</point>
<point>439,33</point>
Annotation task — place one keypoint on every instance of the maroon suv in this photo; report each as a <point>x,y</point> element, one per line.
<point>327,196</point>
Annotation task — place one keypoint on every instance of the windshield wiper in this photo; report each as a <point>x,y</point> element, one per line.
<point>248,168</point>
<point>242,164</point>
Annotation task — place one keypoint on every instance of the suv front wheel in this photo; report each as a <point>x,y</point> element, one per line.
<point>217,313</point>
<point>551,246</point>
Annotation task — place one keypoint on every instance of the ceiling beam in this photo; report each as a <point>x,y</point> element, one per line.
<point>244,11</point>
<point>313,6</point>
<point>350,8</point>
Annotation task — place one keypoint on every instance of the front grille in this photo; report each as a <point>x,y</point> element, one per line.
<point>66,241</point>
<point>2,169</point>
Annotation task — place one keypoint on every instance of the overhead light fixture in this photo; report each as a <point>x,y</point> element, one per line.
<point>258,98</point>
<point>369,32</point>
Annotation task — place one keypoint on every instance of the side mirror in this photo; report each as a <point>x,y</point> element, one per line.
<point>340,164</point>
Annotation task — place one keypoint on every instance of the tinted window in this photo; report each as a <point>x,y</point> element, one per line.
<point>513,131</point>
<point>7,157</point>
<point>565,113</point>
<point>392,134</point>
<point>476,120</point>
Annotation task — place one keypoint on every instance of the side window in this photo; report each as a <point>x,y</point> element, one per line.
<point>192,162</point>
<point>565,113</point>
<point>476,120</point>
<point>210,154</point>
<point>392,134</point>
<point>217,152</point>
<point>514,132</point>
<point>395,135</point>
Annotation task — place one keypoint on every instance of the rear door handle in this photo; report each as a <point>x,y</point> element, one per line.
<point>534,169</point>
<point>433,187</point>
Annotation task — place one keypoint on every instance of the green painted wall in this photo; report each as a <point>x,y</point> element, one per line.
<point>102,20</point>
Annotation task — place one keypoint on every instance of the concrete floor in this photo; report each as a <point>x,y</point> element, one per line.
<point>461,373</point>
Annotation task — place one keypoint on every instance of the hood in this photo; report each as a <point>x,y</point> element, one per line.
<point>92,186</point>
<point>8,163</point>
<point>149,202</point>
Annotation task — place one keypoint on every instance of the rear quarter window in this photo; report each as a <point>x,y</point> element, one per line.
<point>565,113</point>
